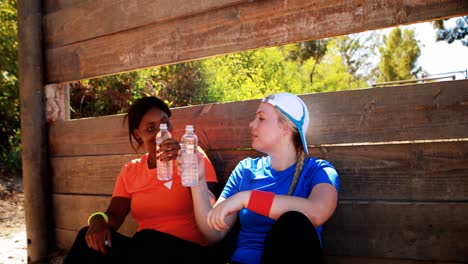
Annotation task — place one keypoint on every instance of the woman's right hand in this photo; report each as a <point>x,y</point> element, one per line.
<point>168,150</point>
<point>98,233</point>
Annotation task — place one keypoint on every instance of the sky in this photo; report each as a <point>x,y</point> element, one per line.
<point>438,56</point>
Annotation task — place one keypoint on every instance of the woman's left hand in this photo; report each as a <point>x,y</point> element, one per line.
<point>217,216</point>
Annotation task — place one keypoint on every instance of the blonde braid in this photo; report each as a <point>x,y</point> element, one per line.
<point>297,141</point>
<point>297,172</point>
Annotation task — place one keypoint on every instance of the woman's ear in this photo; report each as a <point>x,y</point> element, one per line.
<point>286,129</point>
<point>136,134</point>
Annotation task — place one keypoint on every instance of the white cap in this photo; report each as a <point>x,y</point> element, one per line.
<point>295,109</point>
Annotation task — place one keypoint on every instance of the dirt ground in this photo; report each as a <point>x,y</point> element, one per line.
<point>12,227</point>
<point>12,224</point>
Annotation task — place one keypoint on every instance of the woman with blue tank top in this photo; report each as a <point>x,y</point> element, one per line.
<point>281,200</point>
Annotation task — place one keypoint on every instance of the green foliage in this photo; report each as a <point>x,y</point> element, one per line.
<point>11,157</point>
<point>398,56</point>
<point>314,66</point>
<point>332,74</point>
<point>358,51</point>
<point>459,32</point>
<point>10,135</point>
<point>178,85</point>
<point>101,96</point>
<point>8,40</point>
<point>303,51</point>
<point>182,84</point>
<point>251,74</point>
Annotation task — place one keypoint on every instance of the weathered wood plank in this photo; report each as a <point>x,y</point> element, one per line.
<point>87,174</point>
<point>419,231</point>
<point>49,6</point>
<point>231,29</point>
<point>71,212</point>
<point>89,136</point>
<point>406,172</point>
<point>33,129</point>
<point>111,16</point>
<point>364,260</point>
<point>413,112</point>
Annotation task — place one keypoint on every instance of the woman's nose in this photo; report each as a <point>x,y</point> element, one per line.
<point>251,125</point>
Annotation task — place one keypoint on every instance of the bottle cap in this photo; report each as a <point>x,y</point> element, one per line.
<point>189,127</point>
<point>163,126</point>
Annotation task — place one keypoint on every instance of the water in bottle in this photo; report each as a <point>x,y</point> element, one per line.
<point>189,157</point>
<point>164,168</point>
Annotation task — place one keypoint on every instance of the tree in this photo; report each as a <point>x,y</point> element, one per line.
<point>10,140</point>
<point>182,84</point>
<point>358,52</point>
<point>253,74</point>
<point>303,51</point>
<point>333,74</point>
<point>398,56</point>
<point>179,85</point>
<point>459,32</point>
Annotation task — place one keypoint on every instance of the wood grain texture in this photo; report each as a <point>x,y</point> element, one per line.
<point>111,16</point>
<point>33,128</point>
<point>87,174</point>
<point>405,172</point>
<point>91,136</point>
<point>363,260</point>
<point>71,212</point>
<point>404,113</point>
<point>417,231</point>
<point>49,6</point>
<point>400,203</point>
<point>225,30</point>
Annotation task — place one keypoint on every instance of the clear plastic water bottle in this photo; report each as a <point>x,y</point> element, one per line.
<point>189,157</point>
<point>164,168</point>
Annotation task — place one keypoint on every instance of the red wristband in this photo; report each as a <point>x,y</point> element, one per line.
<point>260,202</point>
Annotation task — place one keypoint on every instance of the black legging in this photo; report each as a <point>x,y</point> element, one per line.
<point>149,246</point>
<point>81,253</point>
<point>292,239</point>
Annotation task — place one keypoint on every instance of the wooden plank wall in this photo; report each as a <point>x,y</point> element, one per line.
<point>129,35</point>
<point>378,138</point>
<point>401,152</point>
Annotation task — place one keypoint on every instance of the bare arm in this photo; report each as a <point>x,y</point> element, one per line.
<point>203,206</point>
<point>99,231</point>
<point>117,211</point>
<point>318,206</point>
<point>203,201</point>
